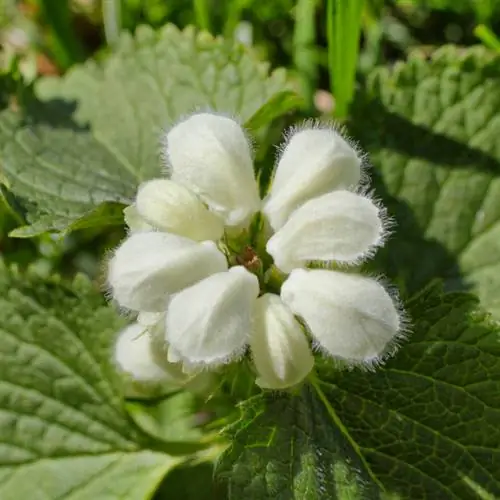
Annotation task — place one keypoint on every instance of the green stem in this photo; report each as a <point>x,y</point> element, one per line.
<point>304,53</point>
<point>111,15</point>
<point>344,19</point>
<point>66,46</point>
<point>201,14</point>
<point>487,36</point>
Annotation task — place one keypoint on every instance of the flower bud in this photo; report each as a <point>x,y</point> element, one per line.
<point>209,323</point>
<point>350,316</point>
<point>148,267</point>
<point>340,226</point>
<point>172,208</point>
<point>133,354</point>
<point>210,155</point>
<point>313,162</point>
<point>280,350</point>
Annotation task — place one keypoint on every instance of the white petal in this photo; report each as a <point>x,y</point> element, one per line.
<point>280,350</point>
<point>340,226</point>
<point>134,221</point>
<point>350,316</point>
<point>313,162</point>
<point>210,323</point>
<point>133,354</point>
<point>148,267</point>
<point>171,207</point>
<point>211,156</point>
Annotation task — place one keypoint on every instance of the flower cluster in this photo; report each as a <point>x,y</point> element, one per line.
<point>211,269</point>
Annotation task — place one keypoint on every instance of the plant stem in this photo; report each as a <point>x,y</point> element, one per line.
<point>487,36</point>
<point>304,52</point>
<point>343,31</point>
<point>111,15</point>
<point>67,49</point>
<point>201,14</point>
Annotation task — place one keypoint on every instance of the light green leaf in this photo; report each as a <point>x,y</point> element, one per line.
<point>97,135</point>
<point>427,423</point>
<point>64,432</point>
<point>287,447</point>
<point>431,128</point>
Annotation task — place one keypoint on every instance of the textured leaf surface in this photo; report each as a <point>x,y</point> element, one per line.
<point>64,433</point>
<point>428,422</point>
<point>286,447</point>
<point>432,128</point>
<point>426,426</point>
<point>98,133</point>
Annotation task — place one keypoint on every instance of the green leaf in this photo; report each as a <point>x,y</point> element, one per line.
<point>431,128</point>
<point>425,426</point>
<point>64,431</point>
<point>97,133</point>
<point>285,447</point>
<point>427,423</point>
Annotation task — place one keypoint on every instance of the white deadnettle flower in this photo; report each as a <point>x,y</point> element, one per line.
<point>210,322</point>
<point>210,155</point>
<point>150,266</point>
<point>200,314</point>
<point>350,316</point>
<point>339,226</point>
<point>280,349</point>
<point>134,355</point>
<point>314,161</point>
<point>173,208</point>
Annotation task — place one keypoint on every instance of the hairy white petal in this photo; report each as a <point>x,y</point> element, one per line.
<point>172,207</point>
<point>134,221</point>
<point>210,155</point>
<point>313,162</point>
<point>350,316</point>
<point>148,267</point>
<point>339,226</point>
<point>133,354</point>
<point>280,350</point>
<point>210,323</point>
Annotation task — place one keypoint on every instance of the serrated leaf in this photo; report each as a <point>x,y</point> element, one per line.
<point>427,423</point>
<point>425,426</point>
<point>431,128</point>
<point>285,447</point>
<point>64,432</point>
<point>97,135</point>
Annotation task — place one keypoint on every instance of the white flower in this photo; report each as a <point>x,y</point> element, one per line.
<point>200,314</point>
<point>171,207</point>
<point>280,349</point>
<point>219,322</point>
<point>150,266</point>
<point>134,355</point>
<point>340,226</point>
<point>210,155</point>
<point>350,316</point>
<point>313,162</point>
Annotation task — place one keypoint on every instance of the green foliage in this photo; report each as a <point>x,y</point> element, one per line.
<point>67,165</point>
<point>64,431</point>
<point>431,129</point>
<point>425,426</point>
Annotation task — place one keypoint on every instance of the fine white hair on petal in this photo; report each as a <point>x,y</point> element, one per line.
<point>133,355</point>
<point>134,221</point>
<point>209,324</point>
<point>150,266</point>
<point>280,349</point>
<point>211,155</point>
<point>173,208</point>
<point>351,317</point>
<point>313,162</point>
<point>339,226</point>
